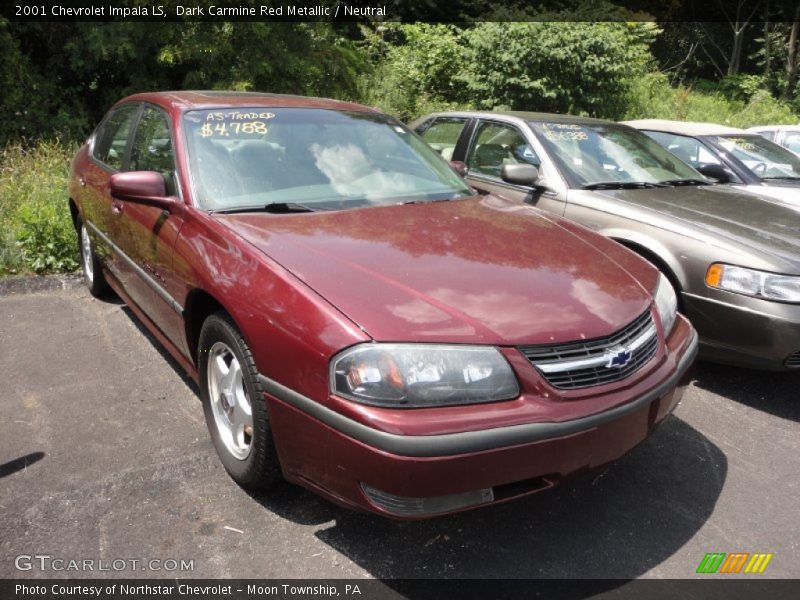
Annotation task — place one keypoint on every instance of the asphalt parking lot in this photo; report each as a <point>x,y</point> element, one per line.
<point>104,454</point>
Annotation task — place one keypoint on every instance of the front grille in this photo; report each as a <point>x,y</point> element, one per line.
<point>585,363</point>
<point>793,362</point>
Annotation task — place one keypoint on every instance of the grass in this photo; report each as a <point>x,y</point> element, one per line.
<point>36,233</point>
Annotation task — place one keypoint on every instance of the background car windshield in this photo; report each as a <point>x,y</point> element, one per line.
<point>600,153</point>
<point>764,158</point>
<point>323,159</point>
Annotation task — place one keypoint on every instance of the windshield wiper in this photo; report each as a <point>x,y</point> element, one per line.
<point>272,207</point>
<point>429,201</point>
<point>677,182</point>
<point>786,177</point>
<point>287,207</point>
<point>622,185</point>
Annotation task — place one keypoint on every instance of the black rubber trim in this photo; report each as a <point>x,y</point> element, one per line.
<point>163,294</point>
<point>471,441</point>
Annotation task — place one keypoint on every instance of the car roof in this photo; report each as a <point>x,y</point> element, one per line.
<point>524,116</point>
<point>774,128</point>
<point>209,99</point>
<point>690,128</point>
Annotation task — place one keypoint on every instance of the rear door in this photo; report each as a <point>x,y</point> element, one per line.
<point>109,150</point>
<point>145,235</point>
<point>443,134</point>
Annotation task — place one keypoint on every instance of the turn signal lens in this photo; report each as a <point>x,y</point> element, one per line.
<point>714,275</point>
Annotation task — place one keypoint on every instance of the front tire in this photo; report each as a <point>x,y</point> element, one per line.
<point>234,406</point>
<point>92,268</point>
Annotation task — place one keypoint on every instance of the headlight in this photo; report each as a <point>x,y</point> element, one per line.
<point>422,375</point>
<point>750,282</point>
<point>666,303</point>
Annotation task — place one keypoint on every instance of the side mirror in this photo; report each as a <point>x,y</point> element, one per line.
<point>520,174</point>
<point>141,187</point>
<point>459,167</point>
<point>715,171</point>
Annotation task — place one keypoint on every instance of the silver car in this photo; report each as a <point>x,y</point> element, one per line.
<point>734,156</point>
<point>733,257</point>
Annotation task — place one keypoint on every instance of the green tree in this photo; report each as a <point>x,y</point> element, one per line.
<point>416,68</point>
<point>578,68</point>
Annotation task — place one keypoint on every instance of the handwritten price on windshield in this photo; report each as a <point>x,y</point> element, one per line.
<point>228,129</point>
<point>569,136</point>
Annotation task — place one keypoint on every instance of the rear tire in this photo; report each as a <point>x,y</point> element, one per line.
<point>92,268</point>
<point>234,405</point>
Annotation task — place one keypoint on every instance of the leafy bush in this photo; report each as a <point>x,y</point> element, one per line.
<point>415,71</point>
<point>577,68</point>
<point>37,232</point>
<point>652,97</point>
<point>764,109</point>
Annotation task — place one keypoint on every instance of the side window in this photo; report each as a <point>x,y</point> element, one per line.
<point>496,145</point>
<point>112,139</point>
<point>791,140</point>
<point>688,149</point>
<point>442,135</point>
<point>152,147</point>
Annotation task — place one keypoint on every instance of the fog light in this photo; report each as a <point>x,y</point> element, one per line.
<point>408,507</point>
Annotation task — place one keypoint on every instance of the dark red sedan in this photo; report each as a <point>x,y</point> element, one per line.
<point>358,320</point>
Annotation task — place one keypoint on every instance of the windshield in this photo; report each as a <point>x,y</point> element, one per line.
<point>314,158</point>
<point>765,159</point>
<point>598,153</point>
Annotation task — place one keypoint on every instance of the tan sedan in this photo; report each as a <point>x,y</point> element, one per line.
<point>733,257</point>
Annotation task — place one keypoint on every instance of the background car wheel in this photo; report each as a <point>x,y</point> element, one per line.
<point>90,264</point>
<point>236,414</point>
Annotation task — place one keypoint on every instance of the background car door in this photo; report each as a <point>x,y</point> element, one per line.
<point>109,150</point>
<point>443,133</point>
<point>146,234</point>
<point>495,144</point>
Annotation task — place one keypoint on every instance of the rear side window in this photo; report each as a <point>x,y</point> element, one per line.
<point>442,135</point>
<point>112,139</point>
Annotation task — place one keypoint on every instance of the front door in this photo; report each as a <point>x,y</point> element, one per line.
<point>495,144</point>
<point>146,235</point>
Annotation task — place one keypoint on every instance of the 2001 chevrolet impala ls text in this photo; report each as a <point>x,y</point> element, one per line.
<point>358,321</point>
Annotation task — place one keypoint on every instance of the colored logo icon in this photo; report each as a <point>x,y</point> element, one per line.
<point>736,562</point>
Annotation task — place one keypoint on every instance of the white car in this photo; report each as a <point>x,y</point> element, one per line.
<point>787,136</point>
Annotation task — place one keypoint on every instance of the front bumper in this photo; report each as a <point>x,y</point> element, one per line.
<point>340,457</point>
<point>753,333</point>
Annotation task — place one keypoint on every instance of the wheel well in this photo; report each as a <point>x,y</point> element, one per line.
<point>73,211</point>
<point>199,306</point>
<point>658,263</point>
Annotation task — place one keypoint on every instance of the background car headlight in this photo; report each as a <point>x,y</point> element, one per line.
<point>750,282</point>
<point>422,375</point>
<point>666,303</point>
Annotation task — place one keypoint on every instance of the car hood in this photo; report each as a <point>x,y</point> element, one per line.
<point>480,270</point>
<point>788,194</point>
<point>737,217</point>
